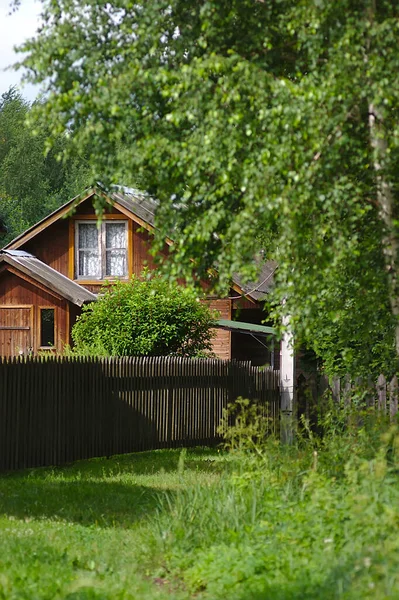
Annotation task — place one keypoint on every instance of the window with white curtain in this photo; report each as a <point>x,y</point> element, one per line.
<point>101,252</point>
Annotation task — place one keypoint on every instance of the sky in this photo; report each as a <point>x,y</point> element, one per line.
<point>14,29</point>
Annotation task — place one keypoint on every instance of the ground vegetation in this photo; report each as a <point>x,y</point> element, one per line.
<point>317,520</point>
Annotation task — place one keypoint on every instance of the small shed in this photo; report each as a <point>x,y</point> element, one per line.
<point>38,305</point>
<point>264,341</point>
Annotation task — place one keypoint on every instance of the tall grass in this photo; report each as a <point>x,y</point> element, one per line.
<point>316,521</point>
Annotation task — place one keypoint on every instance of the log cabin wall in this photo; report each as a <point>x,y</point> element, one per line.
<point>52,246</point>
<point>221,344</point>
<point>86,208</point>
<point>18,297</point>
<point>74,313</point>
<point>141,245</point>
<point>141,250</point>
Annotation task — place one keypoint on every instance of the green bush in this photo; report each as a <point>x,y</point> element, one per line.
<point>145,317</point>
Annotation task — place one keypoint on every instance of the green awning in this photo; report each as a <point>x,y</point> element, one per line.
<point>249,328</point>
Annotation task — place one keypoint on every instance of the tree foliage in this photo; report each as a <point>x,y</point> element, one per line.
<point>33,179</point>
<point>145,317</point>
<point>256,123</point>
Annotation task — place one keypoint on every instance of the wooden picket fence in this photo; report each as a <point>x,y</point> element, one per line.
<point>57,410</point>
<point>382,395</point>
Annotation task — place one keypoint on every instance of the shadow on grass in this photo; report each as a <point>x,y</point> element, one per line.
<point>100,492</point>
<point>153,462</point>
<point>148,462</point>
<point>107,504</point>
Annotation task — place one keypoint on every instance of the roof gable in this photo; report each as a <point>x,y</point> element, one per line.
<point>135,205</point>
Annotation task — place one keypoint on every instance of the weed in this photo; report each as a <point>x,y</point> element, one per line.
<point>316,521</point>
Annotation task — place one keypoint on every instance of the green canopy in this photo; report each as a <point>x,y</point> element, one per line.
<point>241,327</point>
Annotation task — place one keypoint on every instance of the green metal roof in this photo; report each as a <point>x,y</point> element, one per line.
<point>249,328</point>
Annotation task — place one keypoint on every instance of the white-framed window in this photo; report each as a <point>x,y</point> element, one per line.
<point>101,252</point>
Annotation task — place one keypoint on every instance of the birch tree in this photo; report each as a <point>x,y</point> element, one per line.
<point>260,126</point>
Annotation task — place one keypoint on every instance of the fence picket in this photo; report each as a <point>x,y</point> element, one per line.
<point>382,393</point>
<point>56,410</point>
<point>393,397</point>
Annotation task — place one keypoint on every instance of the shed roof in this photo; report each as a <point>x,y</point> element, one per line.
<point>47,276</point>
<point>241,327</point>
<point>138,203</point>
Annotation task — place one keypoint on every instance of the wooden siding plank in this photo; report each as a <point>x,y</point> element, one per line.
<point>16,293</point>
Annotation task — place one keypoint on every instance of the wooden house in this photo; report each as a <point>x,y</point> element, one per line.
<point>37,304</point>
<point>50,270</point>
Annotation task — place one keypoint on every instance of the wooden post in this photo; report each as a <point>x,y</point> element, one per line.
<point>382,394</point>
<point>336,389</point>
<point>393,397</point>
<point>287,375</point>
<point>347,391</point>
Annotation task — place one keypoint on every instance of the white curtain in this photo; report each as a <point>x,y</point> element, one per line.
<point>89,258</point>
<point>115,249</point>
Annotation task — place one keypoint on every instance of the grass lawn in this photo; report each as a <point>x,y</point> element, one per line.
<point>315,522</point>
<point>87,530</point>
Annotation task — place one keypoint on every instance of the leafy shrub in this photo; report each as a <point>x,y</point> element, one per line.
<point>244,425</point>
<point>147,316</point>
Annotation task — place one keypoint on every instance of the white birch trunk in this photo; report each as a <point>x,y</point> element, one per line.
<point>385,199</point>
<point>287,375</point>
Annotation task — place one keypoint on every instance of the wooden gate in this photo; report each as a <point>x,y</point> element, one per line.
<point>16,329</point>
